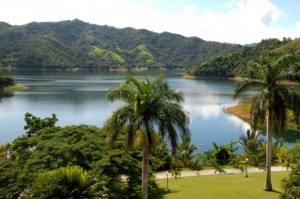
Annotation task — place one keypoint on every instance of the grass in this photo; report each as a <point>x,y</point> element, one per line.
<point>241,110</point>
<point>17,87</point>
<point>223,186</point>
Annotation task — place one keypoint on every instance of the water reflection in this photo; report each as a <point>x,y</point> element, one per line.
<point>79,98</point>
<point>204,111</point>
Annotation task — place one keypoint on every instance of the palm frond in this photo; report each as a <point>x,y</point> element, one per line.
<point>258,108</point>
<point>244,86</point>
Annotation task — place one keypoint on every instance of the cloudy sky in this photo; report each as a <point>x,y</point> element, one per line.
<point>231,21</point>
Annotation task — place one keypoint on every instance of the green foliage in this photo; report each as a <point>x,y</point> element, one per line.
<point>221,153</point>
<point>197,165</point>
<point>160,158</point>
<point>238,63</point>
<point>293,154</point>
<point>35,124</point>
<point>251,144</point>
<point>65,182</point>
<point>5,82</point>
<point>149,105</point>
<point>272,101</point>
<point>75,44</point>
<point>116,168</point>
<point>185,152</point>
<point>50,147</point>
<point>291,185</point>
<point>176,167</point>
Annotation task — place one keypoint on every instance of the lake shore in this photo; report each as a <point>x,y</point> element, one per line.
<point>241,110</point>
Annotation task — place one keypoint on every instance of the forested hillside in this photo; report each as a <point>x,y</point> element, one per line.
<point>238,63</point>
<point>76,44</point>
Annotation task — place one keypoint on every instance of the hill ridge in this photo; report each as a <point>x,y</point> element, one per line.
<point>68,44</point>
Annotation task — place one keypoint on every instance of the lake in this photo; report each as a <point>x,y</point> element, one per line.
<point>79,98</point>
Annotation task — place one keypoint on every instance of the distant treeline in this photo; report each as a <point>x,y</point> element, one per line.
<point>239,63</point>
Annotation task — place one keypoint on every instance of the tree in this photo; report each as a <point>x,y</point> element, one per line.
<point>185,152</point>
<point>34,124</point>
<point>220,154</point>
<point>150,106</point>
<point>272,101</point>
<point>251,143</point>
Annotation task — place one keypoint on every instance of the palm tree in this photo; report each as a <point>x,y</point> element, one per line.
<point>150,106</point>
<point>65,182</point>
<point>251,143</point>
<point>185,152</point>
<point>272,101</point>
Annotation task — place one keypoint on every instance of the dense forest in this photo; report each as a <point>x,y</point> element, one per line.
<point>239,63</point>
<point>76,44</point>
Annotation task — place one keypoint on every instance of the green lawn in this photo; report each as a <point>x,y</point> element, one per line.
<point>235,186</point>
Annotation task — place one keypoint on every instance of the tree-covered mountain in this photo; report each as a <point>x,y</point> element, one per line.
<point>76,44</point>
<point>238,63</point>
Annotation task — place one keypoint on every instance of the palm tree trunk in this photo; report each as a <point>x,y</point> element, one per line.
<point>268,186</point>
<point>145,170</point>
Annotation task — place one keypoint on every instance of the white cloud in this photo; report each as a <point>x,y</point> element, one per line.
<point>237,123</point>
<point>206,111</point>
<point>245,21</point>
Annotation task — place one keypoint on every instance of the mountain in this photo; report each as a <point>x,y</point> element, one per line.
<point>238,63</point>
<point>76,44</point>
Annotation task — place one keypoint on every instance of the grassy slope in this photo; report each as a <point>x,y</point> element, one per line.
<point>98,52</point>
<point>222,187</point>
<point>241,110</point>
<point>17,87</point>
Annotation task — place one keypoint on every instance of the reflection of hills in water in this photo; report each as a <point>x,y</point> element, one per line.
<point>79,98</point>
<point>5,95</point>
<point>291,136</point>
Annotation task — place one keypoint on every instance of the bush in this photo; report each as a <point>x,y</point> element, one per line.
<point>65,182</point>
<point>291,185</point>
<point>6,81</point>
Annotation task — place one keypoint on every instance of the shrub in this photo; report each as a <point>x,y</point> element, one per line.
<point>291,185</point>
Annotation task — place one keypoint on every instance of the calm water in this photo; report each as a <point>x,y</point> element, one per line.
<point>78,98</point>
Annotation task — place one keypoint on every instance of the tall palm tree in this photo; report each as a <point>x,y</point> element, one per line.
<point>272,101</point>
<point>150,106</point>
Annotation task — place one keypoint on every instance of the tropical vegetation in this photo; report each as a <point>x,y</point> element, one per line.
<point>80,161</point>
<point>238,64</point>
<point>291,185</point>
<point>46,147</point>
<point>252,146</point>
<point>150,106</point>
<point>272,101</point>
<point>65,182</point>
<point>52,153</point>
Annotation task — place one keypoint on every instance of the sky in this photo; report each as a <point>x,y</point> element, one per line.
<point>227,21</point>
